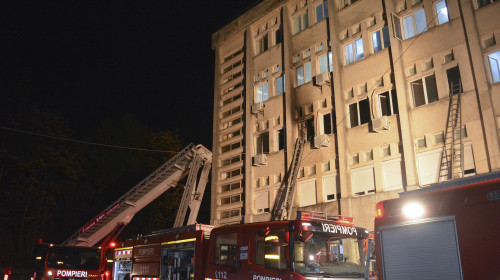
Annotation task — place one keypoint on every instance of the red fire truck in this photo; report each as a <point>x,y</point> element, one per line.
<point>80,258</point>
<point>316,245</point>
<point>447,231</point>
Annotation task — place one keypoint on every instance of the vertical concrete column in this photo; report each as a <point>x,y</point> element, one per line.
<point>404,102</point>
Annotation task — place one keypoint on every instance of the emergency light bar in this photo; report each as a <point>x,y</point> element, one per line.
<point>324,217</point>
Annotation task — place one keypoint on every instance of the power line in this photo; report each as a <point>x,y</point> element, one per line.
<point>84,142</point>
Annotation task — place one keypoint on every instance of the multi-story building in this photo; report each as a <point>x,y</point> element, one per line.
<point>371,81</point>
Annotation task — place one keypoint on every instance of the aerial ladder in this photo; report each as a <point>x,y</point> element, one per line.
<point>108,224</point>
<point>451,164</point>
<point>282,208</point>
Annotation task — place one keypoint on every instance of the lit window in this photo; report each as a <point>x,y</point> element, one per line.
<point>494,59</point>
<point>325,63</point>
<point>280,84</point>
<point>304,73</point>
<point>321,11</point>
<point>424,90</point>
<point>354,51</point>
<point>359,112</point>
<point>442,12</point>
<point>261,92</point>
<point>300,23</point>
<point>409,26</point>
<point>388,103</point>
<point>381,39</point>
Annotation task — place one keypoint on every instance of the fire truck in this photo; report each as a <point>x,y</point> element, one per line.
<point>88,253</point>
<point>314,246</point>
<point>449,230</point>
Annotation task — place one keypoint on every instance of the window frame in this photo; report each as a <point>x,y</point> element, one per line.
<point>352,45</point>
<point>358,113</point>
<point>438,11</point>
<point>305,78</point>
<point>393,104</point>
<point>262,97</point>
<point>384,42</point>
<point>424,86</point>
<point>328,56</point>
<point>495,78</point>
<point>260,143</point>
<point>303,22</point>
<point>324,10</point>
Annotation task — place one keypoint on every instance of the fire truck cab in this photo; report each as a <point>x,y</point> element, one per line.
<point>311,247</point>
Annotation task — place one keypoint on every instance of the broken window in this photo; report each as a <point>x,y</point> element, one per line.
<point>388,103</point>
<point>454,83</point>
<point>424,90</point>
<point>329,123</point>
<point>359,112</point>
<point>309,129</point>
<point>281,139</point>
<point>262,143</point>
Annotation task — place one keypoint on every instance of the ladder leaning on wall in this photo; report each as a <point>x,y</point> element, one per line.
<point>451,165</point>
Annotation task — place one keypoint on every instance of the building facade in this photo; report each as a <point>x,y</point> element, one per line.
<point>370,79</point>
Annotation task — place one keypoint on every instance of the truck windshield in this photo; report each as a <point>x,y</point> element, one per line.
<point>329,256</point>
<point>74,258</point>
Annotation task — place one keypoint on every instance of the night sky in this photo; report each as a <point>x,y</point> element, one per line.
<point>91,60</point>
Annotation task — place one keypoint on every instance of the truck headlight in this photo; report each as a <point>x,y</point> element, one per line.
<point>413,210</point>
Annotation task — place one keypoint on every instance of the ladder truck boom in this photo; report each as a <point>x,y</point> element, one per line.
<point>116,216</point>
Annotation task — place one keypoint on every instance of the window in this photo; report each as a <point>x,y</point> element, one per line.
<point>409,26</point>
<point>354,51</point>
<point>330,187</point>
<point>388,103</point>
<point>277,36</point>
<point>261,92</point>
<point>306,192</point>
<point>321,11</point>
<point>226,248</point>
<point>231,135</point>
<point>230,147</point>
<point>280,84</point>
<point>363,180</point>
<point>421,143</point>
<point>262,202</point>
<point>345,3</point>
<point>309,129</point>
<point>263,249</point>
<point>230,213</point>
<point>231,160</point>
<point>300,23</point>
<point>359,112</point>
<point>231,173</point>
<point>439,138</point>
<point>392,175</point>
<point>329,123</point>
<point>230,187</point>
<point>304,73</point>
<point>262,44</point>
<point>424,90</point>
<point>482,3</point>
<point>325,63</point>
<point>281,139</point>
<point>494,59</point>
<point>454,83</point>
<point>381,39</point>
<point>442,12</point>
<point>230,199</point>
<point>262,143</point>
